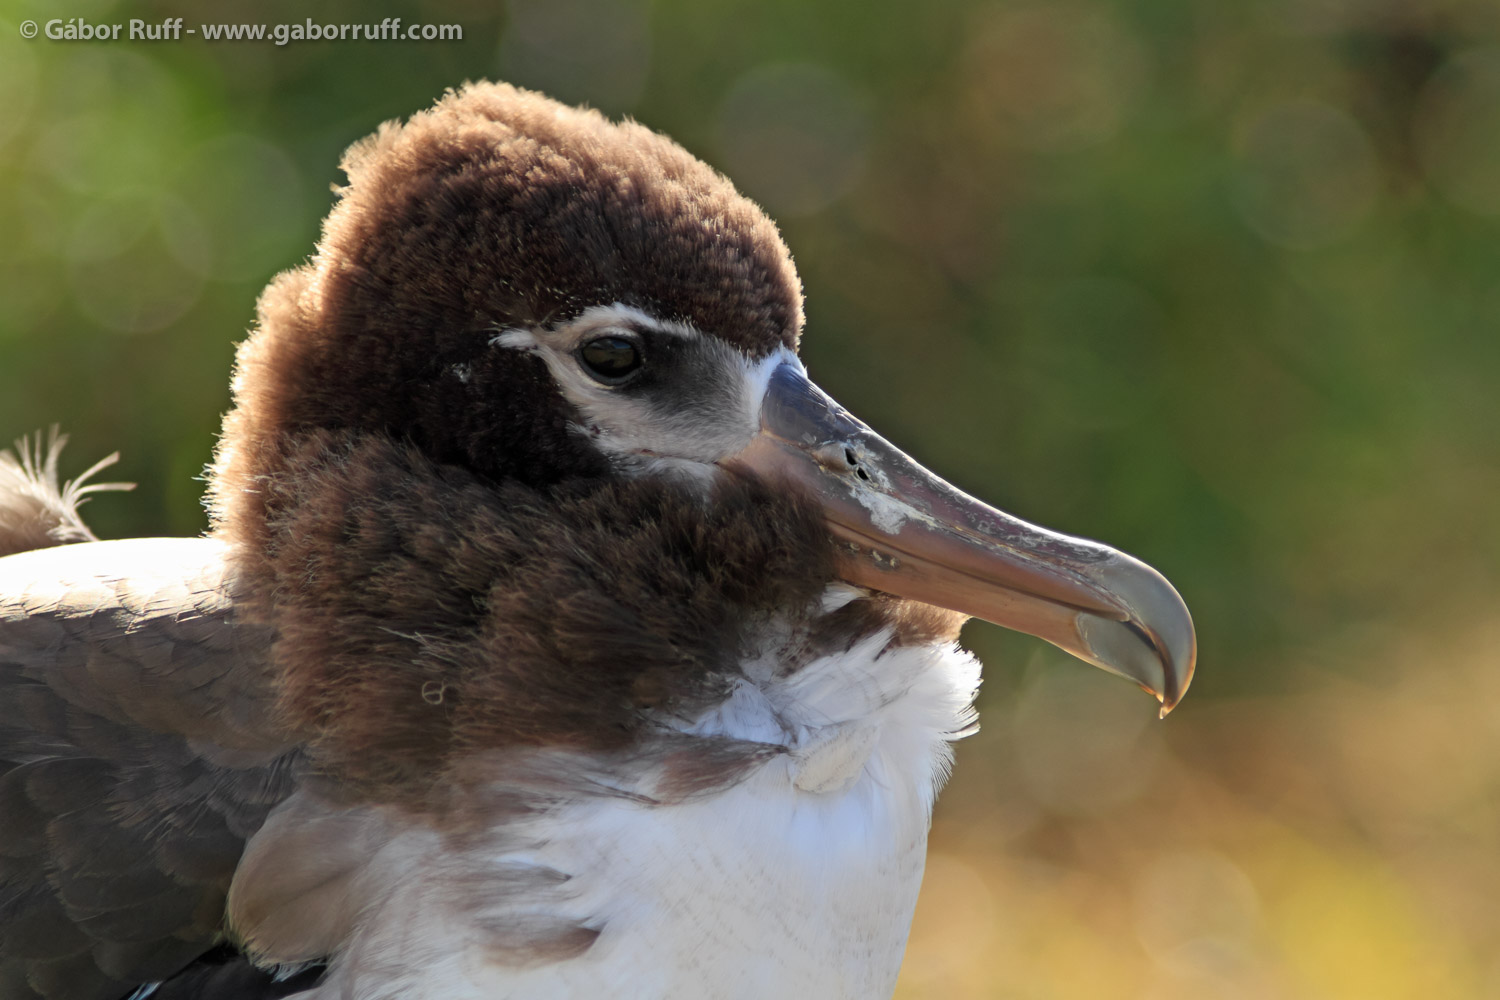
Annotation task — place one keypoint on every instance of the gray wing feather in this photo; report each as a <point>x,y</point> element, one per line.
<point>137,754</point>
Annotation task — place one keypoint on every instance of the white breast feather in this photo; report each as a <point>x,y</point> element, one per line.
<point>797,882</point>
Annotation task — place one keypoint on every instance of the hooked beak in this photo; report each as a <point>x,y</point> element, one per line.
<point>903,530</point>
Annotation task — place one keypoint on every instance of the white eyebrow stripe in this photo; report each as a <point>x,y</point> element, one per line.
<point>620,314</point>
<point>617,314</point>
<point>516,338</point>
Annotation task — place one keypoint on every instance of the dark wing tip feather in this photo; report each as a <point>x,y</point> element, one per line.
<point>225,973</point>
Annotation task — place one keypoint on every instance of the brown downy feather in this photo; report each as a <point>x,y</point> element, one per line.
<point>911,623</point>
<point>37,509</point>
<point>425,614</point>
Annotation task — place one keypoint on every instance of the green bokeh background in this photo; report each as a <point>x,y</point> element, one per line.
<point>1214,282</point>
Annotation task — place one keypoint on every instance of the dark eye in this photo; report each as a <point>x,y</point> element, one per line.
<point>611,360</point>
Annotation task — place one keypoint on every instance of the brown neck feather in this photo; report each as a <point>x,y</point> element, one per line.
<point>424,613</point>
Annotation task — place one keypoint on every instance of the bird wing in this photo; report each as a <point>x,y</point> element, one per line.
<point>137,756</point>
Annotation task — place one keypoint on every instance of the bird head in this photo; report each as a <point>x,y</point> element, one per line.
<point>535,297</point>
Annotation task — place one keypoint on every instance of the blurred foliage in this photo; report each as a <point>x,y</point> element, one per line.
<point>1214,282</point>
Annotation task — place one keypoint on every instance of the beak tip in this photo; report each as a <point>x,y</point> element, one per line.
<point>1162,625</point>
<point>1155,646</point>
<point>1177,675</point>
<point>1180,658</point>
<point>1170,699</point>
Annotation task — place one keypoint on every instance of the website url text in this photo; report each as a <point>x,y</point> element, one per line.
<point>76,29</point>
